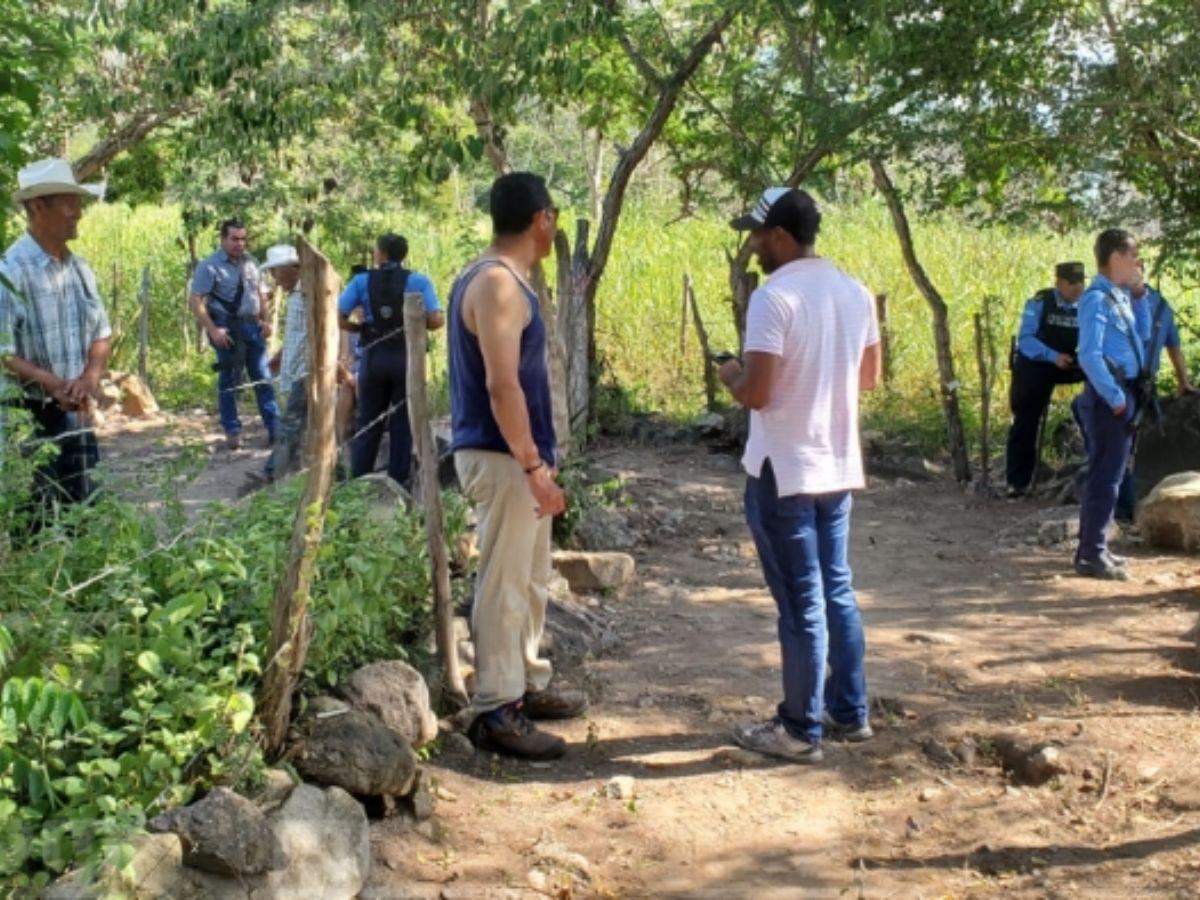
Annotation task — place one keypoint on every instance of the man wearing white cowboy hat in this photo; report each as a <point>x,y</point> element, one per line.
<point>291,361</point>
<point>54,332</point>
<point>228,304</point>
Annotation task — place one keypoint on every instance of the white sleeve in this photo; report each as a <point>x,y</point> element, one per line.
<point>767,322</point>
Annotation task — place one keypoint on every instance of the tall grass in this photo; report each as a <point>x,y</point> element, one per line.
<point>639,311</point>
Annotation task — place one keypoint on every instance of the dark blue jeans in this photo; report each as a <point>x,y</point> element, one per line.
<point>1109,439</point>
<point>249,351</point>
<point>802,545</point>
<point>382,380</point>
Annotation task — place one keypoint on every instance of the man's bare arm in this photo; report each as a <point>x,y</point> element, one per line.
<point>752,384</point>
<point>88,384</point>
<point>29,372</point>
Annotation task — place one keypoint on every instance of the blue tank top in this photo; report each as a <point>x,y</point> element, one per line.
<point>472,423</point>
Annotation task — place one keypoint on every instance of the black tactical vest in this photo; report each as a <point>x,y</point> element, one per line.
<point>385,296</point>
<point>1058,328</point>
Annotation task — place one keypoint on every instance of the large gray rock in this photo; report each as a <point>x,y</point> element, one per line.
<point>323,833</point>
<point>1170,516</point>
<point>224,833</point>
<point>326,836</point>
<point>357,752</point>
<point>600,528</point>
<point>594,571</point>
<point>396,693</point>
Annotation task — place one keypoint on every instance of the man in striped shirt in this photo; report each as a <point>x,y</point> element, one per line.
<point>54,332</point>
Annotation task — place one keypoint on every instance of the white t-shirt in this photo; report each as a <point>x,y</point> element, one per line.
<point>818,320</point>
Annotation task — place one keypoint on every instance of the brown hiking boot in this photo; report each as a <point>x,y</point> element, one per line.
<point>554,704</point>
<point>507,730</point>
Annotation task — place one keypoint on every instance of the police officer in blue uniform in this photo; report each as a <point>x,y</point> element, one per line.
<point>383,361</point>
<point>1112,356</point>
<point>1044,358</point>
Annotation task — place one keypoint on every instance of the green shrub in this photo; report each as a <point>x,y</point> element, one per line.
<point>129,663</point>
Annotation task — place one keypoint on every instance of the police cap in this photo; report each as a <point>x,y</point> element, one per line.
<point>1069,271</point>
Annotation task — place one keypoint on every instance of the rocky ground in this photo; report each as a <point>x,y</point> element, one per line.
<point>983,653</point>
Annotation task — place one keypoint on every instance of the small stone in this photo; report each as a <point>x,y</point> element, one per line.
<point>620,787</point>
<point>594,571</point>
<point>396,693</point>
<point>455,743</point>
<point>928,794</point>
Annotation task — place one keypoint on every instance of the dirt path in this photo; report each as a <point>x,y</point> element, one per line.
<point>971,633</point>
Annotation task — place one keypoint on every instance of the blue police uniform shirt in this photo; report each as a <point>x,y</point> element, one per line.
<point>1106,324</point>
<point>1144,309</point>
<point>1027,343</point>
<point>357,295</point>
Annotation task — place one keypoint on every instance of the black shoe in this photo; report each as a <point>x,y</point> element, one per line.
<point>554,704</point>
<point>1100,568</point>
<point>509,731</point>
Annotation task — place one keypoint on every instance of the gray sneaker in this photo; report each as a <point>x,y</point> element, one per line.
<point>771,738</point>
<point>855,734</point>
<point>1100,568</point>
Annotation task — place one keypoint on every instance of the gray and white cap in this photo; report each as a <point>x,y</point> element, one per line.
<point>756,217</point>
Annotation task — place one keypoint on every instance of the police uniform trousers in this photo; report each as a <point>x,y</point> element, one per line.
<point>1033,384</point>
<point>382,383</point>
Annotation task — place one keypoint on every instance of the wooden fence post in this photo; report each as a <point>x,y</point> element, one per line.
<point>431,497</point>
<point>291,628</point>
<point>144,325</point>
<point>986,358</point>
<point>885,337</point>
<point>710,371</point>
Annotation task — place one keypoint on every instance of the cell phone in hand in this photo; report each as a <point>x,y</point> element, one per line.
<point>723,357</point>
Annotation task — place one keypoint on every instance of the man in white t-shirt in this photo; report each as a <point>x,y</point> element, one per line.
<point>812,343</point>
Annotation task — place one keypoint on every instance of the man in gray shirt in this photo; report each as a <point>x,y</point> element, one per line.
<point>228,302</point>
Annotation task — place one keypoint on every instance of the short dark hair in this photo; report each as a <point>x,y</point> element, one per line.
<point>1110,241</point>
<point>515,199</point>
<point>358,269</point>
<point>393,246</point>
<point>230,225</point>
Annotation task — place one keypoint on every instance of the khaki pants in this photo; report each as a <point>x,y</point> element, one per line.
<point>512,582</point>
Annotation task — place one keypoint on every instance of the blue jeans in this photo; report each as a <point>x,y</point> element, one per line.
<point>1109,440</point>
<point>802,543</point>
<point>249,350</point>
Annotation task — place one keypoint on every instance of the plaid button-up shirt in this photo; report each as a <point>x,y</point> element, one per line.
<point>293,364</point>
<point>50,311</point>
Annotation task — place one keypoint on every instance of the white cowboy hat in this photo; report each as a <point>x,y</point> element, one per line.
<point>52,176</point>
<point>280,255</point>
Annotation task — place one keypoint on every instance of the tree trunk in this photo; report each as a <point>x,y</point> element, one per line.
<point>431,499</point>
<point>577,317</point>
<point>885,338</point>
<point>291,628</point>
<point>552,315</point>
<point>941,322</point>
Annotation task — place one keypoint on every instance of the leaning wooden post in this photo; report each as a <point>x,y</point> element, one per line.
<point>885,337</point>
<point>431,497</point>
<point>710,371</point>
<point>144,325</point>
<point>291,629</point>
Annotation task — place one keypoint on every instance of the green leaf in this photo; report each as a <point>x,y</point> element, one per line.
<point>150,663</point>
<point>240,709</point>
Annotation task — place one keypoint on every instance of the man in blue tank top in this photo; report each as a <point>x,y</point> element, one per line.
<point>505,453</point>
